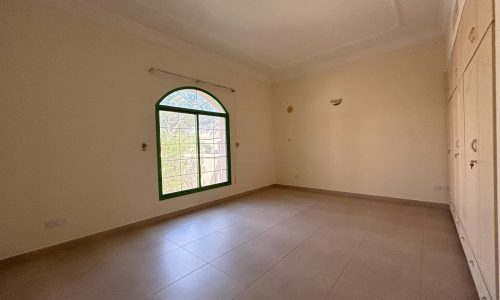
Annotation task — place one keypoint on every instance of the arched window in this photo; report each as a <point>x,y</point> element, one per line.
<point>192,142</point>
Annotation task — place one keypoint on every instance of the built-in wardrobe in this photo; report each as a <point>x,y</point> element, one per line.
<point>471,148</point>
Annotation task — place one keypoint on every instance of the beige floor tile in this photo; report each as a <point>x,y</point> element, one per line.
<point>391,250</point>
<point>345,291</point>
<point>251,294</point>
<point>214,245</point>
<point>320,255</point>
<point>450,269</point>
<point>166,269</point>
<point>245,229</point>
<point>442,243</point>
<point>188,233</point>
<point>206,283</point>
<point>279,241</point>
<point>246,264</point>
<point>220,220</point>
<point>436,289</point>
<point>283,244</point>
<point>141,247</point>
<point>383,279</point>
<point>289,281</point>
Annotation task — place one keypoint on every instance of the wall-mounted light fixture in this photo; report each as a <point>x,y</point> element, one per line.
<point>336,102</point>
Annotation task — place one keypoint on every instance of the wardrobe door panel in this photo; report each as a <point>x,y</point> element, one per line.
<point>485,151</point>
<point>459,166</point>
<point>471,31</point>
<point>451,153</point>
<point>484,16</point>
<point>471,156</point>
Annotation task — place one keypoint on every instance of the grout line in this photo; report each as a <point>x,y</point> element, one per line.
<point>362,290</point>
<point>182,277</point>
<point>352,255</point>
<point>286,255</point>
<point>208,263</point>
<point>426,220</point>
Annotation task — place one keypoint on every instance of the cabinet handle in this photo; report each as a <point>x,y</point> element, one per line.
<point>456,155</point>
<point>471,262</point>
<point>472,34</point>
<point>472,163</point>
<point>462,238</point>
<point>473,145</point>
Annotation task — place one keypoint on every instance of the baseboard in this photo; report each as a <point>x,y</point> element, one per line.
<point>366,196</point>
<point>106,233</point>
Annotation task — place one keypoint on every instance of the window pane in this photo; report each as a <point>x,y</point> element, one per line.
<point>171,168</point>
<point>192,99</point>
<point>189,181</point>
<point>220,163</point>
<point>179,151</point>
<point>213,150</point>
<point>207,178</point>
<point>171,184</point>
<point>189,166</point>
<point>207,164</point>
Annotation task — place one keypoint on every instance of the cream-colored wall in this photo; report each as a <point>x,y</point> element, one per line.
<point>76,103</point>
<point>387,138</point>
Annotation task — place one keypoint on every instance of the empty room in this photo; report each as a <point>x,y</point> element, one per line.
<point>245,149</point>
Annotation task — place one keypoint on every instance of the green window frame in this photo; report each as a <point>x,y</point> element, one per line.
<point>178,110</point>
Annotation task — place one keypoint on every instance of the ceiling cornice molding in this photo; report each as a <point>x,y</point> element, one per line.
<point>400,22</point>
<point>85,9</point>
<point>357,56</point>
<point>304,67</point>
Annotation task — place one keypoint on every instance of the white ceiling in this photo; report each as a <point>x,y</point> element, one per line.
<point>280,38</point>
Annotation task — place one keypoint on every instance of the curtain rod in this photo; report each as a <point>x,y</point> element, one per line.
<point>153,69</point>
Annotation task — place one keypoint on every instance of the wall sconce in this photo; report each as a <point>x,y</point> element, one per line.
<point>336,102</point>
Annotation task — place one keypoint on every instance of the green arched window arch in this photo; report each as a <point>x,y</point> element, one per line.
<point>192,132</point>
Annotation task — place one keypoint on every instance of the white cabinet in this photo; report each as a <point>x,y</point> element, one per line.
<point>471,156</point>
<point>484,16</point>
<point>479,147</point>
<point>485,156</point>
<point>472,143</point>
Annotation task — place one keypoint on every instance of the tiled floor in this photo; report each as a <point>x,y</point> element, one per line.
<point>276,244</point>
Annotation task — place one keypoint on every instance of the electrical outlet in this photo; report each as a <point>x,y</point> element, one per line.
<point>55,223</point>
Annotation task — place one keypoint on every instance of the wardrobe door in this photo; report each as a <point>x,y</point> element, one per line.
<point>471,155</point>
<point>484,16</point>
<point>485,153</point>
<point>459,167</point>
<point>472,31</point>
<point>452,153</point>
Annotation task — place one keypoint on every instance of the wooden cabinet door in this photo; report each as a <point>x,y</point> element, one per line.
<point>459,168</point>
<point>486,166</point>
<point>484,16</point>
<point>471,156</point>
<point>452,154</point>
